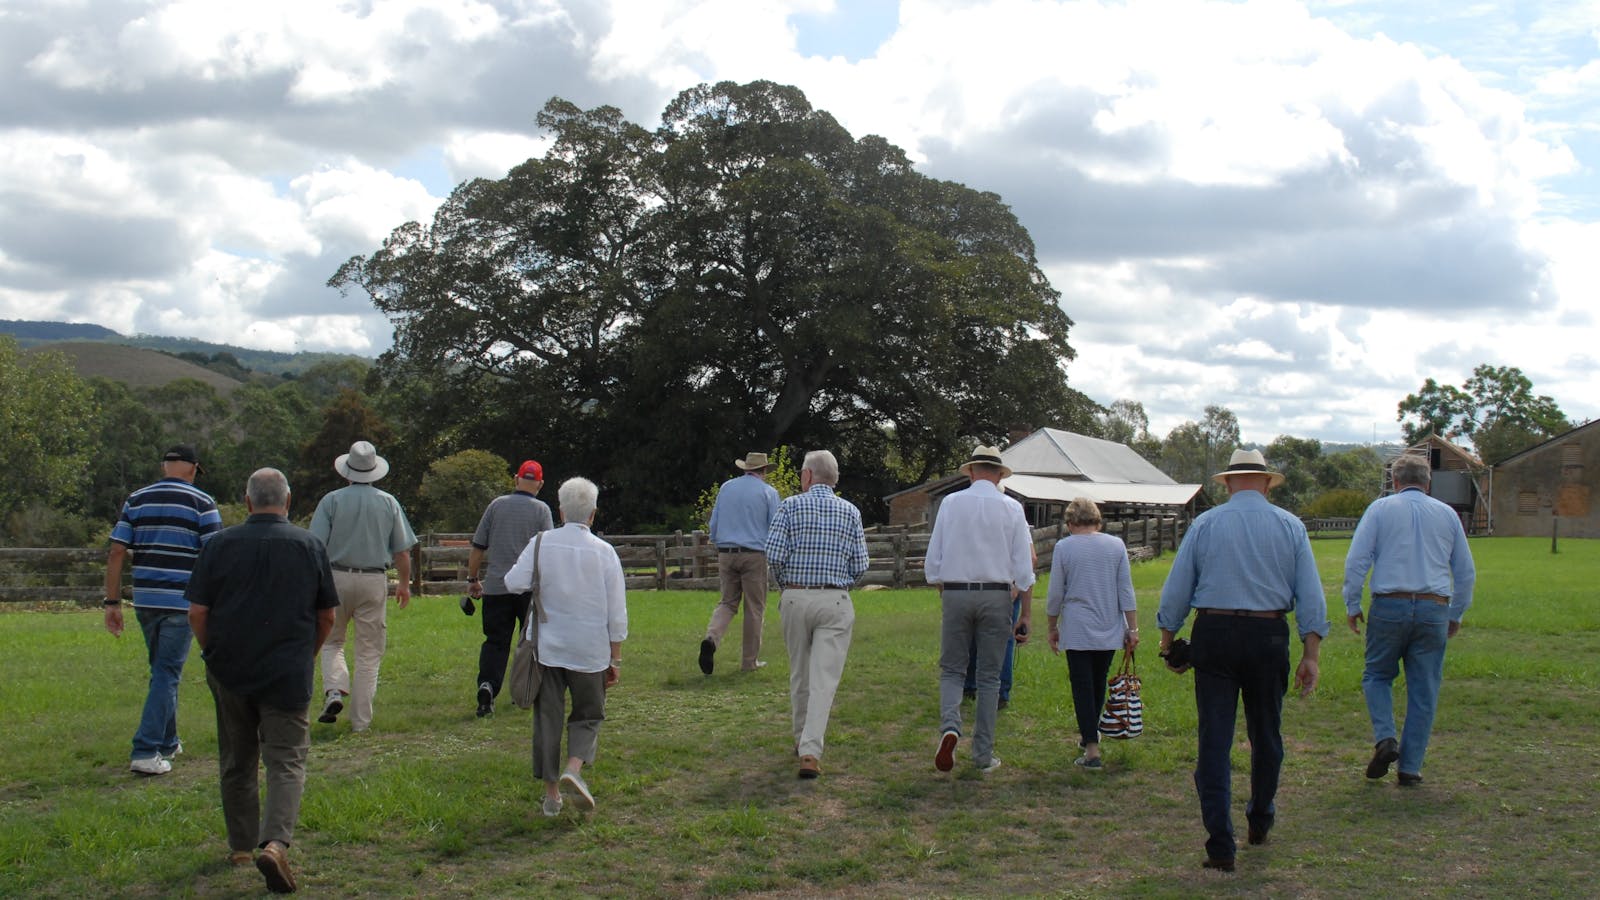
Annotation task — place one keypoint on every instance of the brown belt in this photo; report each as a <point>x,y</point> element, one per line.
<point>1410,595</point>
<point>815,587</point>
<point>1252,613</point>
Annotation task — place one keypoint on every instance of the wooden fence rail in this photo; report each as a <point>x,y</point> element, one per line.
<point>680,561</point>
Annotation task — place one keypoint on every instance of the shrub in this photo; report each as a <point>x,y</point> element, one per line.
<point>1344,503</point>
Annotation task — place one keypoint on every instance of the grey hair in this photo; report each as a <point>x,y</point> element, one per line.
<point>1082,511</point>
<point>823,467</point>
<point>578,498</point>
<point>267,488</point>
<point>1411,468</point>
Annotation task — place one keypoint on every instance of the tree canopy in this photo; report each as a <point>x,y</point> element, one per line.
<point>1496,409</point>
<point>747,274</point>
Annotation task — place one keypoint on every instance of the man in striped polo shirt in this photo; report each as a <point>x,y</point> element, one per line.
<point>163,526</point>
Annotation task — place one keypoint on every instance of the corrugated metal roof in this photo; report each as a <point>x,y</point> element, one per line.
<point>1064,454</point>
<point>1061,490</point>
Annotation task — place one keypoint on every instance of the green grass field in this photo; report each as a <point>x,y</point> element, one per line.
<point>696,787</point>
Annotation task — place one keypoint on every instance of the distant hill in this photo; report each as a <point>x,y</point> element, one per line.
<point>133,366</point>
<point>271,362</point>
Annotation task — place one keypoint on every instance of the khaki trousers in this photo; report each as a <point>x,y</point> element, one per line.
<point>588,691</point>
<point>250,734</point>
<point>741,574</point>
<point>362,596</point>
<point>816,630</point>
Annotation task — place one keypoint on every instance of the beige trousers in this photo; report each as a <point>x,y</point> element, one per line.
<point>741,574</point>
<point>816,629</point>
<point>362,596</point>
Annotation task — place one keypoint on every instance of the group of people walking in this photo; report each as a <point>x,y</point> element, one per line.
<point>264,599</point>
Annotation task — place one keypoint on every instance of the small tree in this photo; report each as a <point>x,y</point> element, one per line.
<point>1343,503</point>
<point>456,489</point>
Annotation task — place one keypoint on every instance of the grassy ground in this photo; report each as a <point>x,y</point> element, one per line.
<point>696,787</point>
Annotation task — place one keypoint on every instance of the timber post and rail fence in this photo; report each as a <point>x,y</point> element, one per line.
<point>678,561</point>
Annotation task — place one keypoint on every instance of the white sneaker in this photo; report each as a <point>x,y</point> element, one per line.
<point>176,751</point>
<point>575,781</point>
<point>155,765</point>
<point>994,763</point>
<point>551,806</point>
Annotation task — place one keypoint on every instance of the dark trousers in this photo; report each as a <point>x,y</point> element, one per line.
<point>1087,671</point>
<point>249,734</point>
<point>1234,657</point>
<point>504,617</point>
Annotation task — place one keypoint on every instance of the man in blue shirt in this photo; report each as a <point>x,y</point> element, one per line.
<point>817,550</point>
<point>162,526</point>
<point>744,508</point>
<point>1243,567</point>
<point>1422,579</point>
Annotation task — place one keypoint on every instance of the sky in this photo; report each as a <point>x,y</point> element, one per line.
<point>1296,209</point>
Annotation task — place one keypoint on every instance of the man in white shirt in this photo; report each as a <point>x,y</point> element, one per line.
<point>980,556</point>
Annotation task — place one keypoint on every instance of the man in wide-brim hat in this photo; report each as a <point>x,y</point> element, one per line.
<point>1243,567</point>
<point>739,519</point>
<point>365,531</point>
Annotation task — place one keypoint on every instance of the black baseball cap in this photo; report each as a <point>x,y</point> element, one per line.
<point>183,453</point>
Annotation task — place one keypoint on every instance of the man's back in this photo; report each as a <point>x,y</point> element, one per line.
<point>743,511</point>
<point>362,526</point>
<point>507,525</point>
<point>164,524</point>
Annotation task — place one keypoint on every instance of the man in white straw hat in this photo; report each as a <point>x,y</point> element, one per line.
<point>1242,567</point>
<point>366,531</point>
<point>980,556</point>
<point>739,519</point>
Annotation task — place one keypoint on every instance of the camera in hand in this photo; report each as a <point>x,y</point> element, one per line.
<point>467,605</point>
<point>1177,655</point>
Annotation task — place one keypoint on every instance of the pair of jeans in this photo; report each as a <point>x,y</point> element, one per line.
<point>166,638</point>
<point>1006,667</point>
<point>1234,657</point>
<point>981,617</point>
<point>504,616</point>
<point>741,575</point>
<point>1087,671</point>
<point>251,734</point>
<point>1413,632</point>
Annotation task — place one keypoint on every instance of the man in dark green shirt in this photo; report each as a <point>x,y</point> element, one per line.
<point>261,602</point>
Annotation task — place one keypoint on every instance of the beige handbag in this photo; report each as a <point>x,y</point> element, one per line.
<point>525,668</point>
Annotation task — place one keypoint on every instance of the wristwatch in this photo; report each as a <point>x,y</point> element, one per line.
<point>110,602</point>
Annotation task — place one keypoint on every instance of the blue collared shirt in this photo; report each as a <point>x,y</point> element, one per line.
<point>1245,554</point>
<point>1413,544</point>
<point>745,507</point>
<point>980,535</point>
<point>816,538</point>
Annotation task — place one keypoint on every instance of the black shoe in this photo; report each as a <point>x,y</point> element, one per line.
<point>1384,752</point>
<point>1409,780</point>
<point>330,711</point>
<point>1220,863</point>
<point>485,700</point>
<point>1257,835</point>
<point>708,650</point>
<point>1003,703</point>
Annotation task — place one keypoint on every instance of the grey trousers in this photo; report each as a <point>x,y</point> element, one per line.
<point>985,615</point>
<point>741,574</point>
<point>250,734</point>
<point>816,629</point>
<point>583,726</point>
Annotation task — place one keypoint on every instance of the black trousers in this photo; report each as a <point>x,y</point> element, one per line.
<point>1088,670</point>
<point>504,617</point>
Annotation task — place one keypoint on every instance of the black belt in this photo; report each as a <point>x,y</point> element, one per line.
<point>1252,613</point>
<point>816,587</point>
<point>977,586</point>
<point>1410,595</point>
<point>358,570</point>
<point>739,550</point>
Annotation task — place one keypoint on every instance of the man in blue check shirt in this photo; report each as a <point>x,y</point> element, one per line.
<point>816,549</point>
<point>1243,567</point>
<point>1422,580</point>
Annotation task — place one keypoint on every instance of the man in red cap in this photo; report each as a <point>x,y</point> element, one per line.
<point>508,524</point>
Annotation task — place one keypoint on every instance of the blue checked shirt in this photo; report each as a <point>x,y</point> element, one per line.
<point>816,539</point>
<point>1245,554</point>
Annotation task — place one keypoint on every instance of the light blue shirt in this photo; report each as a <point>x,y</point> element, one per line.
<point>745,507</point>
<point>980,535</point>
<point>1091,588</point>
<point>1245,554</point>
<point>1413,544</point>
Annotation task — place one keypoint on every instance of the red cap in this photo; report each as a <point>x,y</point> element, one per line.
<point>531,471</point>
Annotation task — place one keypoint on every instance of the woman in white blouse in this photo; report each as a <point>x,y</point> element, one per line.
<point>1092,613</point>
<point>582,591</point>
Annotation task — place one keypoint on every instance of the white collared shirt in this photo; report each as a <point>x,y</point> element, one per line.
<point>583,594</point>
<point>980,535</point>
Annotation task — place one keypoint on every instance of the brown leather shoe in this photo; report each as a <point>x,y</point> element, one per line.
<point>273,861</point>
<point>240,857</point>
<point>1220,863</point>
<point>810,767</point>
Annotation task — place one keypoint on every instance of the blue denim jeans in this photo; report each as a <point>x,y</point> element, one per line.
<point>1415,632</point>
<point>167,639</point>
<point>1005,667</point>
<point>1234,657</point>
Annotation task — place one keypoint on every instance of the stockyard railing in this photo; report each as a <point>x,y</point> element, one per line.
<point>1330,526</point>
<point>679,561</point>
